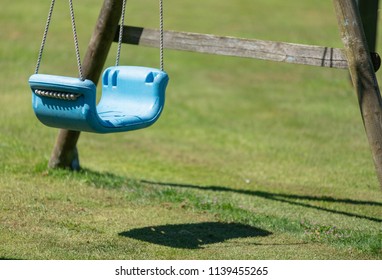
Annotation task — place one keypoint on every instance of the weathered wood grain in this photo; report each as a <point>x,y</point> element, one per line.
<point>231,46</point>
<point>363,76</point>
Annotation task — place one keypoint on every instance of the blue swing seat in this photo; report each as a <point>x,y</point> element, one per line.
<point>132,98</point>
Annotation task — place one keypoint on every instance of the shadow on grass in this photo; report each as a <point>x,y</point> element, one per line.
<point>194,236</point>
<point>110,180</point>
<point>286,198</point>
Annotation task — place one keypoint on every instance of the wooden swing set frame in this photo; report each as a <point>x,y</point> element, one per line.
<point>358,56</point>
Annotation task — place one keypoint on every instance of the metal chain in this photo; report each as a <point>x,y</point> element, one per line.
<point>76,40</point>
<point>120,33</point>
<point>44,36</point>
<point>161,32</point>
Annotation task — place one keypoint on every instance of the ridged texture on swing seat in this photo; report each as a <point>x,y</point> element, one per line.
<point>132,98</point>
<point>77,114</point>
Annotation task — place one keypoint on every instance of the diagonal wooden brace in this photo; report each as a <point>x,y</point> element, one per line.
<point>64,154</point>
<point>363,76</point>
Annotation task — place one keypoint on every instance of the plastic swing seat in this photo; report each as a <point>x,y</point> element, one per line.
<point>132,98</point>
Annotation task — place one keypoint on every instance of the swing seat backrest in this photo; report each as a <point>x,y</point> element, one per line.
<point>132,98</point>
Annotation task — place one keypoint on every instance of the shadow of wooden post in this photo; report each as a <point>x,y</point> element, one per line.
<point>64,154</point>
<point>363,75</point>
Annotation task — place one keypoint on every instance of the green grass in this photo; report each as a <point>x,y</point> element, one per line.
<point>100,216</point>
<point>250,159</point>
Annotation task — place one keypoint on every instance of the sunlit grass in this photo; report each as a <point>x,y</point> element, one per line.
<point>272,155</point>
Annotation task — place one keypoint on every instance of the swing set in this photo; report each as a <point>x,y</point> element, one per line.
<point>133,96</point>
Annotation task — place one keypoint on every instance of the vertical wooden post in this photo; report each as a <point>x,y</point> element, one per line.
<point>65,154</point>
<point>369,16</point>
<point>363,76</point>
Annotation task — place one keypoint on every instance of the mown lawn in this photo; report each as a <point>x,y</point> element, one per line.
<point>250,159</point>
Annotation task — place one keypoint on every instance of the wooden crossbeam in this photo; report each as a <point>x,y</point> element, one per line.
<point>231,46</point>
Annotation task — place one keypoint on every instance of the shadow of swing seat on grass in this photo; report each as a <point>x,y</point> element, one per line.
<point>195,235</point>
